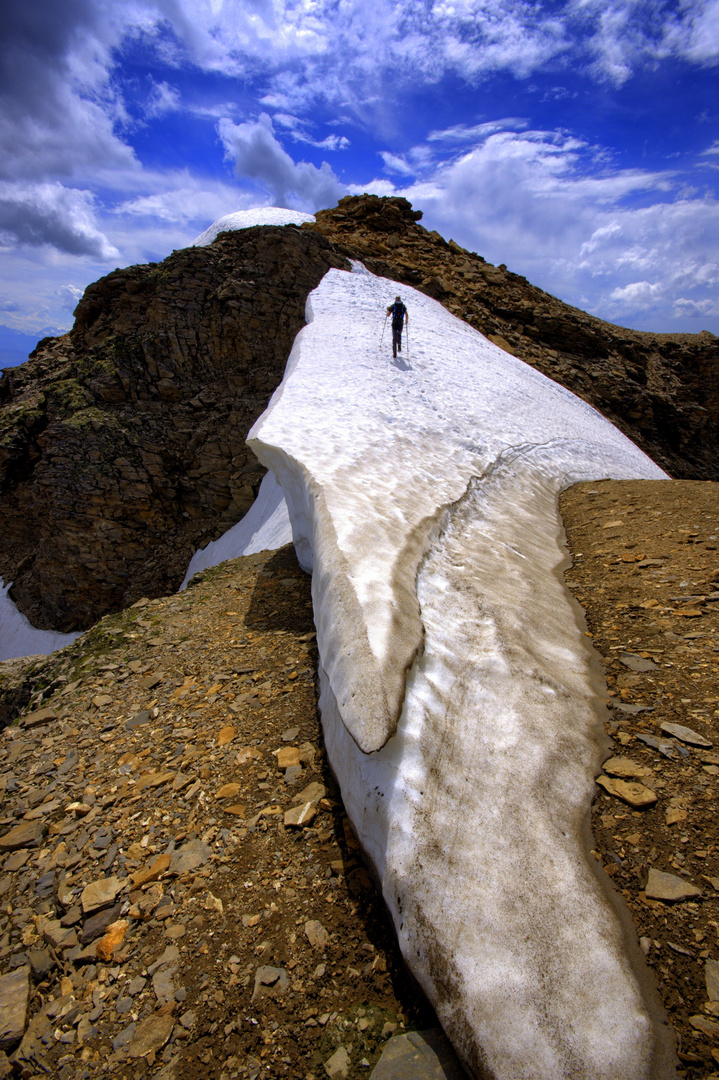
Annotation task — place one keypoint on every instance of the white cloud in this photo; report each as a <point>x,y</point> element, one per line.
<point>51,215</point>
<point>258,156</point>
<point>69,296</point>
<point>58,107</point>
<point>461,133</point>
<point>639,294</point>
<point>395,163</point>
<point>694,32</point>
<point>162,99</point>
<point>62,114</point>
<point>621,243</point>
<point>713,149</point>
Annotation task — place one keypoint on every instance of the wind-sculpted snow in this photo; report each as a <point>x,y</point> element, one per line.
<point>459,699</point>
<point>247,219</point>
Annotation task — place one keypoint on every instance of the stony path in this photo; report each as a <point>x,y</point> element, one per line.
<point>180,893</point>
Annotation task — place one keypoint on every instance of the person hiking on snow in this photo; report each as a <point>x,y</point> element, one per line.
<point>400,318</point>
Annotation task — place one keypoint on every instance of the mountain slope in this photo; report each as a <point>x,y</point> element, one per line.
<point>218,1029</point>
<point>122,443</point>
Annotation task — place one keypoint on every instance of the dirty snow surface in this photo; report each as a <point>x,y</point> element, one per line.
<point>459,697</point>
<point>18,637</point>
<point>246,219</point>
<point>265,527</point>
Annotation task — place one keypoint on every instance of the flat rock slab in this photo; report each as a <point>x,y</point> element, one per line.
<point>311,794</point>
<point>37,718</point>
<point>26,834</point>
<point>686,734</point>
<point>14,994</point>
<point>100,894</point>
<point>664,746</point>
<point>711,977</point>
<point>419,1055</point>
<point>150,1035</point>
<point>637,663</point>
<point>302,814</point>
<point>338,1066</point>
<point>630,708</point>
<point>633,794</point>
<point>661,886</point>
<point>270,981</point>
<point>96,925</point>
<point>706,1026</point>
<point>189,857</point>
<point>624,767</point>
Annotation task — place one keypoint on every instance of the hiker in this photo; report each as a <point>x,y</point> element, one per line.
<point>400,318</point>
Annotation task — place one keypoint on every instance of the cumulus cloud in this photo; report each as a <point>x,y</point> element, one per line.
<point>620,242</point>
<point>58,108</point>
<point>69,296</point>
<point>62,113</point>
<point>36,215</point>
<point>258,156</point>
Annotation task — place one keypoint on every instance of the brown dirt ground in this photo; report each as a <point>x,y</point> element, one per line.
<point>236,650</point>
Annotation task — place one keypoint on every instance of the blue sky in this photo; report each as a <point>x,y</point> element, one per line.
<point>577,142</point>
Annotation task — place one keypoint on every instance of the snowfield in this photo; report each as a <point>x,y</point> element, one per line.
<point>247,219</point>
<point>265,527</point>
<point>460,701</point>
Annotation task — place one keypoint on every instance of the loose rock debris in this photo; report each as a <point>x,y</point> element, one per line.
<point>242,945</point>
<point>646,571</point>
<point>181,894</point>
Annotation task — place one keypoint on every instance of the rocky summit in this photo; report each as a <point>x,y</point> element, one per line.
<point>122,443</point>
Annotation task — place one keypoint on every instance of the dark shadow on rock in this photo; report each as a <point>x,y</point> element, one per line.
<point>280,599</point>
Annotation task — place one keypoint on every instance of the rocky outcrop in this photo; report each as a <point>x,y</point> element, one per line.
<point>122,443</point>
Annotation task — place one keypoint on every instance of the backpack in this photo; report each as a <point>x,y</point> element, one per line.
<point>398,310</point>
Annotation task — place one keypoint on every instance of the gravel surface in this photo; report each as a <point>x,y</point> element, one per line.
<point>177,875</point>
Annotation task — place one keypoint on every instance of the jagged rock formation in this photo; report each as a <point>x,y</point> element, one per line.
<point>122,444</point>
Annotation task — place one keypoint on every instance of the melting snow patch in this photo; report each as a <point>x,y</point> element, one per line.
<point>265,526</point>
<point>458,696</point>
<point>246,219</point>
<point>18,637</point>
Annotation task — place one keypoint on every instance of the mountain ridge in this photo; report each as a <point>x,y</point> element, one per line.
<point>122,442</point>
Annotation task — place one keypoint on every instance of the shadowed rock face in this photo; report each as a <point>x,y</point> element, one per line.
<point>122,443</point>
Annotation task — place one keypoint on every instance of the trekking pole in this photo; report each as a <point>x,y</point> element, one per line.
<point>382,336</point>
<point>407,342</point>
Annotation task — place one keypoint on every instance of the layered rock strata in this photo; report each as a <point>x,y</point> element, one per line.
<point>122,444</point>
